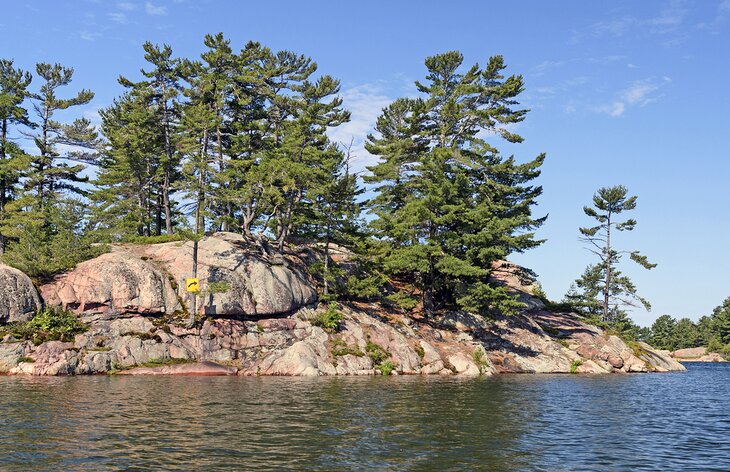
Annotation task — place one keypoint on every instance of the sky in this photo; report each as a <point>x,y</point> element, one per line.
<point>620,92</point>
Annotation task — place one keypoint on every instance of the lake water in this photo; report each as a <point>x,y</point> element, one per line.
<point>662,422</point>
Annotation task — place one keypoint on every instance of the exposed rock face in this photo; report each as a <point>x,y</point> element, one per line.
<point>113,283</point>
<point>259,284</point>
<point>204,368</point>
<point>689,353</point>
<point>556,342</point>
<point>519,281</point>
<point>18,297</point>
<point>697,354</point>
<point>271,346</point>
<point>115,292</point>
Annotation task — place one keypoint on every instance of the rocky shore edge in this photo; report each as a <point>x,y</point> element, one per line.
<point>268,322</point>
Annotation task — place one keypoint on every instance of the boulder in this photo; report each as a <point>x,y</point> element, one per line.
<point>18,297</point>
<point>113,283</point>
<point>252,280</point>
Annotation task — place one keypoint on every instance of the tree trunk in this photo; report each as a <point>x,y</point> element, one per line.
<point>609,262</point>
<point>3,182</point>
<point>325,288</point>
<point>166,168</point>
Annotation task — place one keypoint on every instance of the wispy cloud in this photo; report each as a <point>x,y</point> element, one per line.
<point>118,17</point>
<point>126,6</point>
<point>670,20</point>
<point>157,10</point>
<point>89,36</point>
<point>365,102</point>
<point>640,93</point>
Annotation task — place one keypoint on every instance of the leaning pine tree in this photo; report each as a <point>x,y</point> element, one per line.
<point>604,290</point>
<point>448,204</point>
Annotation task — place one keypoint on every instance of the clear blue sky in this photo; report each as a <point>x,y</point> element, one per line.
<point>621,92</point>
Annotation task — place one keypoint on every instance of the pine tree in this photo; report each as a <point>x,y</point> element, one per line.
<point>56,170</point>
<point>331,212</point>
<point>162,88</point>
<point>14,84</point>
<point>449,204</point>
<point>721,322</point>
<point>126,197</point>
<point>603,284</point>
<point>662,332</point>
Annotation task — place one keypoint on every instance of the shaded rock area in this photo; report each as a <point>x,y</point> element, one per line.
<point>697,354</point>
<point>265,323</point>
<point>19,299</point>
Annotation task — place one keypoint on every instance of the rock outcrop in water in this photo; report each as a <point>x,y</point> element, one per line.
<point>265,323</point>
<point>697,354</point>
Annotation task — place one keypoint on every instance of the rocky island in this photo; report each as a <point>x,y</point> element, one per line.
<point>133,303</point>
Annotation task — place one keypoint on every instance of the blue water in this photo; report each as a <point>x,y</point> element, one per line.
<point>657,422</point>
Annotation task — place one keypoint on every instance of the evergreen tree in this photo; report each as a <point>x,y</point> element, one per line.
<point>721,322</point>
<point>449,204</point>
<point>161,90</point>
<point>685,334</point>
<point>662,332</point>
<point>603,285</point>
<point>14,84</point>
<point>127,193</point>
<point>304,159</point>
<point>56,170</point>
<point>331,213</point>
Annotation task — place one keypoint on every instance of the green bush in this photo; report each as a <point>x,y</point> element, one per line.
<point>403,300</point>
<point>47,244</point>
<point>480,359</point>
<point>380,357</point>
<point>385,368</point>
<point>329,320</point>
<point>574,366</point>
<point>340,348</point>
<point>49,324</point>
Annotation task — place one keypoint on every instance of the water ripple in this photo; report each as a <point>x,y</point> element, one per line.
<point>508,423</point>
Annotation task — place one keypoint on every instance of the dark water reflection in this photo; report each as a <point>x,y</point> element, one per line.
<point>536,423</point>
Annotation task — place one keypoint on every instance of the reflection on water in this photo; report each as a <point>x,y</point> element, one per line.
<point>537,423</point>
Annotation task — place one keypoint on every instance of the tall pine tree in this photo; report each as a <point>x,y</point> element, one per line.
<point>449,204</point>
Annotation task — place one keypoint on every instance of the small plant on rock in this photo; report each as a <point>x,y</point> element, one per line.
<point>480,360</point>
<point>574,366</point>
<point>380,357</point>
<point>329,320</point>
<point>48,324</point>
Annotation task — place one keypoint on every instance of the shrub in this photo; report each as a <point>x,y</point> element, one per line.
<point>385,368</point>
<point>380,357</point>
<point>48,244</point>
<point>340,348</point>
<point>574,366</point>
<point>420,351</point>
<point>329,320</point>
<point>480,360</point>
<point>48,324</point>
<point>403,300</point>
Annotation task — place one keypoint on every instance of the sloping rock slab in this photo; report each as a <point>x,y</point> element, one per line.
<point>204,368</point>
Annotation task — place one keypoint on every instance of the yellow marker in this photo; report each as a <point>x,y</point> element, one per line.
<point>192,285</point>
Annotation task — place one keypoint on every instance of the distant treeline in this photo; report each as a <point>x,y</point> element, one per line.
<point>236,140</point>
<point>712,331</point>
